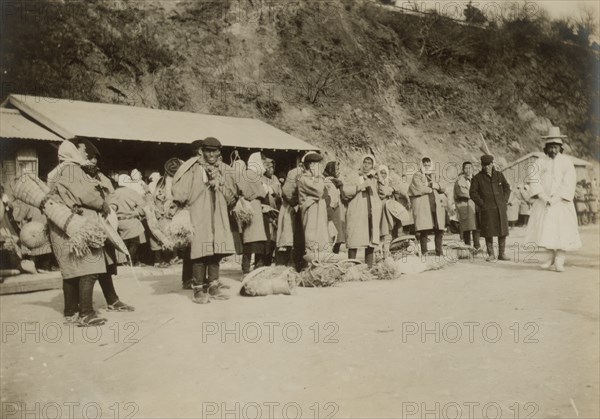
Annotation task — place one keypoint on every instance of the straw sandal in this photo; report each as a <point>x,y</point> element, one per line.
<point>91,320</point>
<point>119,306</point>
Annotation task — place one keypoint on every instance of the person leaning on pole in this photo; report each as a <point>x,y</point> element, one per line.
<point>490,191</point>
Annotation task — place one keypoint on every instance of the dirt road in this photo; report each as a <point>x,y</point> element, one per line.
<point>503,340</point>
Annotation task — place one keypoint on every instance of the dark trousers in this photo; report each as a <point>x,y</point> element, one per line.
<point>282,257</point>
<point>108,288</point>
<point>79,295</point>
<point>489,244</point>
<point>260,260</point>
<point>299,248</point>
<point>369,255</point>
<point>187,268</point>
<point>205,270</point>
<point>523,219</point>
<point>476,238</point>
<point>336,248</point>
<point>132,247</point>
<point>438,237</point>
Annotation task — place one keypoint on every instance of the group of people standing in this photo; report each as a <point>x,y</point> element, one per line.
<point>308,217</point>
<point>586,202</point>
<point>244,209</point>
<point>483,203</point>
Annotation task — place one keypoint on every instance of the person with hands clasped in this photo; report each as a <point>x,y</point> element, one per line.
<point>363,216</point>
<point>427,201</point>
<point>490,191</point>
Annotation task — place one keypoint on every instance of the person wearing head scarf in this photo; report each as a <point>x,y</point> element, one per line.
<point>553,220</point>
<point>164,209</point>
<point>255,234</point>
<point>154,177</point>
<point>290,234</point>
<point>580,200</point>
<point>429,212</point>
<point>491,191</point>
<point>524,204</point>
<point>512,211</point>
<point>388,221</point>
<point>313,209</point>
<point>207,187</point>
<point>129,207</point>
<point>273,200</point>
<point>113,302</point>
<point>336,210</point>
<point>72,186</point>
<point>592,202</point>
<point>363,216</point>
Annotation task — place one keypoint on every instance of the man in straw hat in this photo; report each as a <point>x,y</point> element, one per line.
<point>207,186</point>
<point>553,220</point>
<point>490,192</point>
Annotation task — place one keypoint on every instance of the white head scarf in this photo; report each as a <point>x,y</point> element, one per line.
<point>255,163</point>
<point>69,153</point>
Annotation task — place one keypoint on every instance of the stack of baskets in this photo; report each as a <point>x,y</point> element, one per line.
<point>83,233</point>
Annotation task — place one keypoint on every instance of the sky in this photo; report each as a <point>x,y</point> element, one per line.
<point>556,8</point>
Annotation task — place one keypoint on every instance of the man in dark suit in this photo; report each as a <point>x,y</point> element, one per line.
<point>490,192</point>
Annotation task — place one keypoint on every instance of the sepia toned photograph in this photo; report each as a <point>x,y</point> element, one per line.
<point>266,209</point>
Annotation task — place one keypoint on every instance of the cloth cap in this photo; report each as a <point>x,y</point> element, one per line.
<point>486,159</point>
<point>312,157</point>
<point>211,142</point>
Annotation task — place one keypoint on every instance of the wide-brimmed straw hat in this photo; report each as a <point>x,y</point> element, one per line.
<point>554,136</point>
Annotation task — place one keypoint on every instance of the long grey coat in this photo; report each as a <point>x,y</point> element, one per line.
<point>71,186</point>
<point>467,214</point>
<point>208,208</point>
<point>419,192</point>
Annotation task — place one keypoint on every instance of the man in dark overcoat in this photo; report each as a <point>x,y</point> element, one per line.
<point>490,192</point>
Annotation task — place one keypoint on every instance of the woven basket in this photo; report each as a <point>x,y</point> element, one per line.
<point>34,234</point>
<point>29,191</point>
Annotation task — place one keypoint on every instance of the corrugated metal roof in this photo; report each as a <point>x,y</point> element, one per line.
<point>14,125</point>
<point>122,122</point>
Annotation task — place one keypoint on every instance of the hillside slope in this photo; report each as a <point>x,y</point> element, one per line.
<point>346,75</point>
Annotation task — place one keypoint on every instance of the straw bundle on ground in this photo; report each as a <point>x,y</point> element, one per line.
<point>358,273</point>
<point>387,269</point>
<point>269,280</point>
<point>180,230</point>
<point>319,274</point>
<point>456,251</point>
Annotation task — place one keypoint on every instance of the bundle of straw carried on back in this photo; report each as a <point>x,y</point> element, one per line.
<point>83,233</point>
<point>180,230</point>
